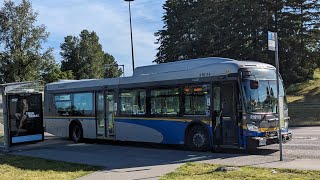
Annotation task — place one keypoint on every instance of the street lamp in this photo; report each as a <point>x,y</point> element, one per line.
<point>116,65</point>
<point>131,34</point>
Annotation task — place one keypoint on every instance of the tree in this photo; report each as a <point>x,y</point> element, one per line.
<point>299,38</point>
<point>55,74</point>
<point>70,54</point>
<point>22,55</point>
<point>238,29</point>
<point>179,34</point>
<point>84,56</point>
<point>111,67</point>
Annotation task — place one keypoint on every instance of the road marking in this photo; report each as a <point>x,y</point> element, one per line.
<point>310,133</point>
<point>306,138</point>
<point>304,145</point>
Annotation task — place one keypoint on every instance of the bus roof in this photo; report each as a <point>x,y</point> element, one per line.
<point>215,66</point>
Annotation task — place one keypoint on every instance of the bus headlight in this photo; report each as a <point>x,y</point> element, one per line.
<point>252,127</point>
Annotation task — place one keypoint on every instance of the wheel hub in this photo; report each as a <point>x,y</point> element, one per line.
<point>199,140</point>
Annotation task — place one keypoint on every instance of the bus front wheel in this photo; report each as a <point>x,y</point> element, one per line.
<point>197,139</point>
<point>76,132</point>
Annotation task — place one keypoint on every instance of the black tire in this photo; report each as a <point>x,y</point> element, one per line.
<point>198,139</point>
<point>76,132</point>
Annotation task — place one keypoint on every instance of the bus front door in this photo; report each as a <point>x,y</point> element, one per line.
<point>224,116</point>
<point>105,115</point>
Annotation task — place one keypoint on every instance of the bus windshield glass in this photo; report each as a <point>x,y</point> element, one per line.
<point>260,90</point>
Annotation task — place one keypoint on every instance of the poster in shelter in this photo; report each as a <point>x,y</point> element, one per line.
<point>25,117</point>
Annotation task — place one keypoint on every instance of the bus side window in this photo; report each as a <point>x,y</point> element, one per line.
<point>197,99</point>
<point>62,103</point>
<point>133,102</point>
<point>165,101</point>
<point>83,104</point>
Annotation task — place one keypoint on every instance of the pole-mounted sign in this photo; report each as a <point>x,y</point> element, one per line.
<point>273,46</point>
<point>272,41</point>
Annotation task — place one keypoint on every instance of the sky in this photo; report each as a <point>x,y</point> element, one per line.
<point>110,20</point>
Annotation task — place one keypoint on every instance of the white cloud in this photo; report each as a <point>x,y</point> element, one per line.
<point>110,19</point>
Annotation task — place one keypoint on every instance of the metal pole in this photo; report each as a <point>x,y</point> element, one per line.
<point>278,95</point>
<point>131,38</point>
<point>277,71</point>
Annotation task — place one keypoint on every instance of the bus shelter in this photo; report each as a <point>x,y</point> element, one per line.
<point>21,118</point>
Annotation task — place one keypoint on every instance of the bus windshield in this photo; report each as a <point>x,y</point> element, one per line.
<point>260,90</point>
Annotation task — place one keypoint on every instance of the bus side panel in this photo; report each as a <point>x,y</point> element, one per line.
<point>57,126</point>
<point>60,127</point>
<point>89,128</point>
<point>163,131</point>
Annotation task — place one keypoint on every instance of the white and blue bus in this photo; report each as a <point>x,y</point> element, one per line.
<point>201,103</point>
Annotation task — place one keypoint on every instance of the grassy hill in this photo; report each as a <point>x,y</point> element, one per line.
<point>304,102</point>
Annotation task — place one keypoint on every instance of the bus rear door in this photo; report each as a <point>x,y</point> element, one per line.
<point>105,115</point>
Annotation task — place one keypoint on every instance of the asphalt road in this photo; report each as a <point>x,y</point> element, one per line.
<point>145,161</point>
<point>305,144</point>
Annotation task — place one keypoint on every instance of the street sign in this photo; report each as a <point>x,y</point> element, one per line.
<point>271,41</point>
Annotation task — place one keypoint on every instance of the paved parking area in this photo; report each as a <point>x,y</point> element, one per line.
<point>122,161</point>
<point>129,162</point>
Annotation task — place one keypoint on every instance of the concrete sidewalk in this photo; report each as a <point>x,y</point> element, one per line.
<point>155,172</point>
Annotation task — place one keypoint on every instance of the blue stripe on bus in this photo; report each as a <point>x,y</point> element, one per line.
<point>20,139</point>
<point>172,131</point>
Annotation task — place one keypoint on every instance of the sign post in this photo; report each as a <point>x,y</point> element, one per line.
<point>273,46</point>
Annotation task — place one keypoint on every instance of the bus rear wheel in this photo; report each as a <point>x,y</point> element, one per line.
<point>197,139</point>
<point>76,132</point>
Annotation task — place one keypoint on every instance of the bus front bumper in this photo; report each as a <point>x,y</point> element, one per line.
<point>263,141</point>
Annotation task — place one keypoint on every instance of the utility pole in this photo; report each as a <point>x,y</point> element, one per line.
<point>273,45</point>
<point>132,55</point>
<point>280,107</point>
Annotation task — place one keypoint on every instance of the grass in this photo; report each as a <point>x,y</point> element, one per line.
<point>19,167</point>
<point>304,101</point>
<point>199,171</point>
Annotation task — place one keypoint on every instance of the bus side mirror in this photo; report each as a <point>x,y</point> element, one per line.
<point>254,84</point>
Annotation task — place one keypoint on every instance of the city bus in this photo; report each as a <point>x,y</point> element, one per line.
<point>201,103</point>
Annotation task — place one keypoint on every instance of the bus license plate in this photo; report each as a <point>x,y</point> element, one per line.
<point>262,141</point>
